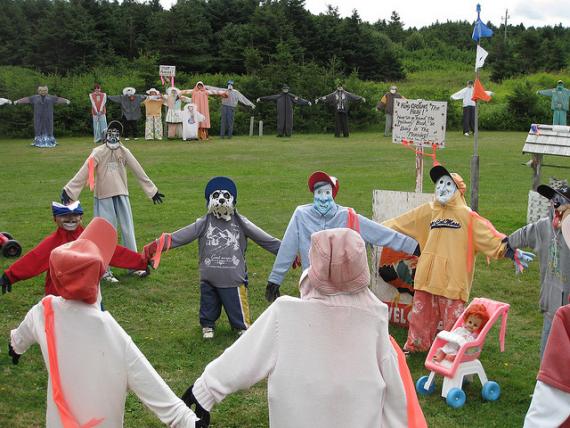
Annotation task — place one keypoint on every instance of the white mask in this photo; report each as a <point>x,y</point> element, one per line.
<point>445,188</point>
<point>221,204</point>
<point>392,91</point>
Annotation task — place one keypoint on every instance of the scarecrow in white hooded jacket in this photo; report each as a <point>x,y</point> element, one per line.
<point>92,362</point>
<point>222,236</point>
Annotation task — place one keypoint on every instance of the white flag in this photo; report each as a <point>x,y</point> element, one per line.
<point>481,56</point>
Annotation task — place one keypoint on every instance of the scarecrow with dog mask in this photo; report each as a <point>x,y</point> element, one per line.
<point>68,220</point>
<point>105,170</point>
<point>449,234</point>
<point>546,238</point>
<point>222,235</point>
<point>322,214</point>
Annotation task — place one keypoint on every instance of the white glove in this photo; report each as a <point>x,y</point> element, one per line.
<point>15,102</point>
<point>253,107</point>
<point>68,102</point>
<point>257,100</point>
<point>524,258</point>
<point>317,101</point>
<point>363,100</point>
<point>310,104</point>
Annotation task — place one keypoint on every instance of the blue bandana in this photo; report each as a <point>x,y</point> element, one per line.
<point>59,209</point>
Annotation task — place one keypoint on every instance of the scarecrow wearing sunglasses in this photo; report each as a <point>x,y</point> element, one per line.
<point>222,239</point>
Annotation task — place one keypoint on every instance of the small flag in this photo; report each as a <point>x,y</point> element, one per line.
<point>479,92</point>
<point>481,57</point>
<point>480,29</point>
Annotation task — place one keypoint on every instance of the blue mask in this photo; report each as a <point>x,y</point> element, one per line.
<point>323,200</point>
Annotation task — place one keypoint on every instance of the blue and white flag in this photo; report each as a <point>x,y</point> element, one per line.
<point>480,29</point>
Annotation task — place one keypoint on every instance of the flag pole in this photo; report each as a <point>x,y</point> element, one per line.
<point>475,158</point>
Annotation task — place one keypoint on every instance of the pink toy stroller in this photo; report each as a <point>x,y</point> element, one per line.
<point>466,361</point>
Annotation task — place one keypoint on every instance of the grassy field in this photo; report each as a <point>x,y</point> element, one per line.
<point>161,312</point>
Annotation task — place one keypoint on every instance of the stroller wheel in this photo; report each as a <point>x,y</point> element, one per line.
<point>420,386</point>
<point>455,398</point>
<point>11,249</point>
<point>491,391</point>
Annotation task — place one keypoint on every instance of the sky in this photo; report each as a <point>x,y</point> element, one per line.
<point>419,13</point>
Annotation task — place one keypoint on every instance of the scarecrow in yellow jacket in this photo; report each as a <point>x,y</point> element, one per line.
<point>449,234</point>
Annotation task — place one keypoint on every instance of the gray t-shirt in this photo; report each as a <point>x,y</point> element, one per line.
<point>222,246</point>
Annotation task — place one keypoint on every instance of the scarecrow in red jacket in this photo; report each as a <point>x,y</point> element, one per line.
<point>36,261</point>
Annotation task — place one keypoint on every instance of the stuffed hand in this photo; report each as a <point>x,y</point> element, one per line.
<point>296,262</point>
<point>12,353</point>
<point>65,199</point>
<point>316,101</point>
<point>257,100</point>
<point>5,283</point>
<point>363,100</point>
<point>68,102</point>
<point>157,198</point>
<point>149,250</point>
<point>253,107</point>
<point>310,104</point>
<point>15,102</point>
<point>202,413</point>
<point>522,259</point>
<point>272,291</point>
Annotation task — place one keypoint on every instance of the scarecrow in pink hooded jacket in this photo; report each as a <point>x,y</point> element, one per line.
<point>200,99</point>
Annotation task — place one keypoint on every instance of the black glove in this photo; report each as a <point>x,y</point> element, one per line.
<point>157,198</point>
<point>5,283</point>
<point>202,413</point>
<point>65,199</point>
<point>12,353</point>
<point>417,251</point>
<point>272,291</point>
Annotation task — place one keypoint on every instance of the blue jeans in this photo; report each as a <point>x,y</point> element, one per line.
<point>227,121</point>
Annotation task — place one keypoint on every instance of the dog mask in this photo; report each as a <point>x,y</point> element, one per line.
<point>221,204</point>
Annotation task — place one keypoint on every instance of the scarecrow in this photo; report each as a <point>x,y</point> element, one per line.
<point>229,105</point>
<point>91,361</point>
<point>386,103</point>
<point>560,101</point>
<point>173,114</point>
<point>285,101</point>
<point>222,242</point>
<point>191,117</point>
<point>130,110</point>
<point>153,106</point>
<point>98,112</point>
<point>322,214</point>
<point>43,115</point>
<point>340,100</point>
<point>449,235</point>
<point>36,261</point>
<point>200,96</point>
<point>105,170</point>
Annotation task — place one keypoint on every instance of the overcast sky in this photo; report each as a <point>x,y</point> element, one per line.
<point>419,13</point>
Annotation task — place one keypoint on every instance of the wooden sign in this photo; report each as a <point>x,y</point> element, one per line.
<point>419,122</point>
<point>167,70</point>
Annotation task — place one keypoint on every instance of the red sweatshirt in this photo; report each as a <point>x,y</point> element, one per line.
<point>36,261</point>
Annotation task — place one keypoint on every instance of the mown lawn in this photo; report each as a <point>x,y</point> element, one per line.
<point>161,312</point>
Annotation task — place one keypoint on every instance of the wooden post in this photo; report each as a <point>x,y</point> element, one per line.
<point>419,169</point>
<point>536,167</point>
<point>261,128</point>
<point>475,159</point>
<point>251,120</point>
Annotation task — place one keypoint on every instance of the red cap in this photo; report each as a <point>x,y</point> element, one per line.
<point>320,176</point>
<point>77,267</point>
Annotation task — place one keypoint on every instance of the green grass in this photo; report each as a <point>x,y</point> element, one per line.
<point>161,312</point>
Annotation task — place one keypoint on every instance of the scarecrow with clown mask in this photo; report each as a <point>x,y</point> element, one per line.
<point>222,236</point>
<point>324,214</point>
<point>105,170</point>
<point>43,115</point>
<point>545,237</point>
<point>68,219</point>
<point>449,234</point>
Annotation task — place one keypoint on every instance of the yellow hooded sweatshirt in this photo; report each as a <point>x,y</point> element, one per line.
<point>449,237</point>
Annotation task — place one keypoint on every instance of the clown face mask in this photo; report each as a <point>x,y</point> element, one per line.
<point>113,139</point>
<point>68,222</point>
<point>445,187</point>
<point>221,204</point>
<point>323,200</point>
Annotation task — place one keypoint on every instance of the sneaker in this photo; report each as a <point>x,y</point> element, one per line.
<point>207,332</point>
<point>127,139</point>
<point>140,273</point>
<point>466,134</point>
<point>109,277</point>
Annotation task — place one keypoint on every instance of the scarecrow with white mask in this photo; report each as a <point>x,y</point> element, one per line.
<point>153,106</point>
<point>322,214</point>
<point>35,262</point>
<point>191,117</point>
<point>91,361</point>
<point>43,115</point>
<point>386,103</point>
<point>545,238</point>
<point>130,103</point>
<point>285,101</point>
<point>222,236</point>
<point>98,101</point>
<point>105,170</point>
<point>174,112</point>
<point>449,234</point>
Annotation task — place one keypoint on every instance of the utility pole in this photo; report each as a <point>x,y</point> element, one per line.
<point>506,18</point>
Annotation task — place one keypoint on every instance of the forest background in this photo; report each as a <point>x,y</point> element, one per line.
<point>69,45</point>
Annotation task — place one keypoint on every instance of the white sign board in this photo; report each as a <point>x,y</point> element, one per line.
<point>419,122</point>
<point>388,204</point>
<point>167,70</point>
